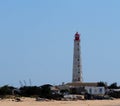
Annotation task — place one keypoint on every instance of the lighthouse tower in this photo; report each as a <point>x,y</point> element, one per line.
<point>77,70</point>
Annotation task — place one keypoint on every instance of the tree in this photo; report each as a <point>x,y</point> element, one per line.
<point>102,84</point>
<point>30,90</point>
<point>6,90</point>
<point>46,91</point>
<point>113,86</point>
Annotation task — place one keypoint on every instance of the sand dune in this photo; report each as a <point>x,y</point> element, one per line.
<point>32,102</point>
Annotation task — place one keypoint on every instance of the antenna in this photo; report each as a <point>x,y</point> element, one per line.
<point>25,82</point>
<point>30,82</point>
<point>21,84</point>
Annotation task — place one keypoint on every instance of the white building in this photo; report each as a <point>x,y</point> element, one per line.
<point>91,87</point>
<point>95,90</point>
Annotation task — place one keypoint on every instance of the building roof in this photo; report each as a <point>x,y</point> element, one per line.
<point>82,84</point>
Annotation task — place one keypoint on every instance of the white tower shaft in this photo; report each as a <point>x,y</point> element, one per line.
<point>77,69</point>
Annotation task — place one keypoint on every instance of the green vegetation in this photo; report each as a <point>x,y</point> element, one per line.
<point>113,86</point>
<point>45,91</point>
<point>104,84</point>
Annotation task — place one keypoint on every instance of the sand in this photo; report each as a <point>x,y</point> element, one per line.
<point>32,102</point>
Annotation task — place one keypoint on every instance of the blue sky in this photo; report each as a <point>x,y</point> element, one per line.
<point>36,40</point>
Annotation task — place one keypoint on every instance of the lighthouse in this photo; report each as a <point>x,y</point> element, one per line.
<point>77,69</point>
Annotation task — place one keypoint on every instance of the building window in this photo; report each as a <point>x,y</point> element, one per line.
<point>100,90</point>
<point>78,59</point>
<point>90,91</point>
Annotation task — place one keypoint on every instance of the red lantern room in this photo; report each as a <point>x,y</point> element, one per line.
<point>77,36</point>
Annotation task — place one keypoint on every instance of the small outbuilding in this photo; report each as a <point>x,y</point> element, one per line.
<point>95,90</point>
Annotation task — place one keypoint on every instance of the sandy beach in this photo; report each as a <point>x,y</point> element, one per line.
<point>32,102</point>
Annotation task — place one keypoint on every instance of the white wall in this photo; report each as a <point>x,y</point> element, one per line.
<point>95,90</point>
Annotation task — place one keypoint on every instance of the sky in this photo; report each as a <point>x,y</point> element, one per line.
<point>36,40</point>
